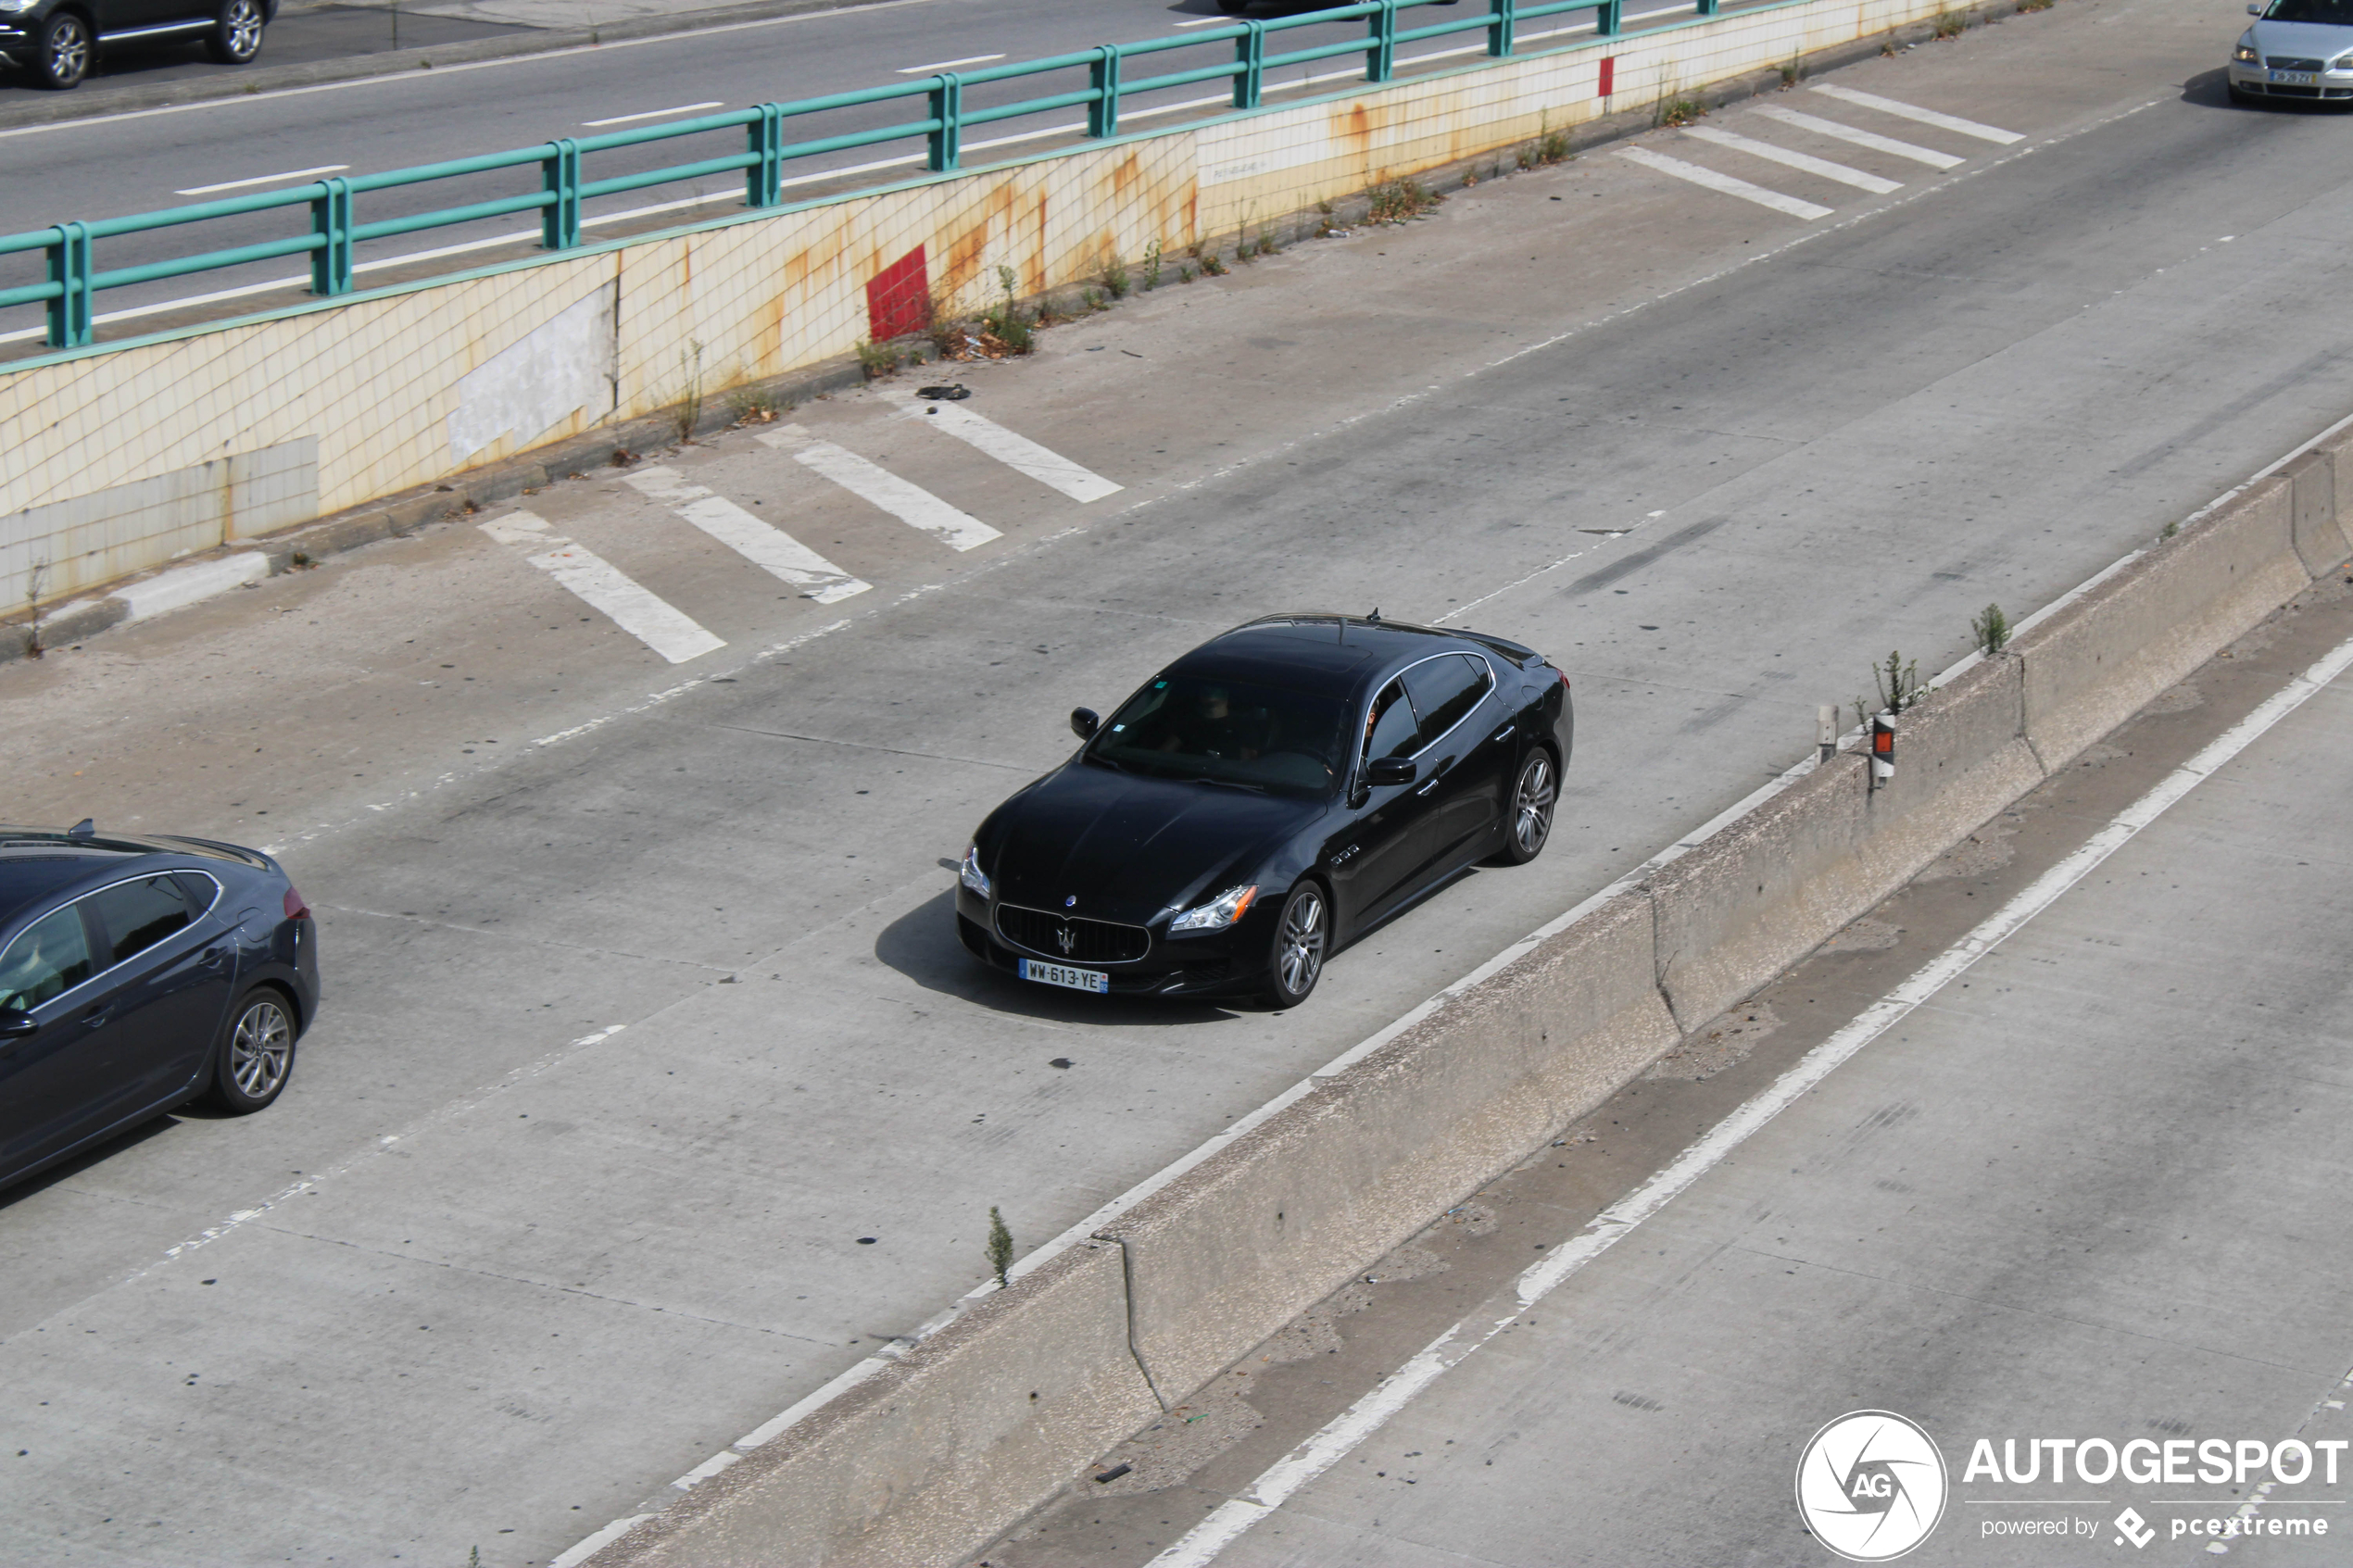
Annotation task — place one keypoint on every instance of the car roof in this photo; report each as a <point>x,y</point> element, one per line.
<point>38,864</point>
<point>1325,655</point>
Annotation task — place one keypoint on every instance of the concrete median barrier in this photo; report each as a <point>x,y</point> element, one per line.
<point>1230,1251</point>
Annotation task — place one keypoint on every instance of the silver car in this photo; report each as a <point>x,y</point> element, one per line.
<point>2296,49</point>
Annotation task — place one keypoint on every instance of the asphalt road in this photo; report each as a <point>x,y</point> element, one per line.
<point>492,1275</point>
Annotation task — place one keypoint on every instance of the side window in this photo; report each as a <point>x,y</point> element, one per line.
<point>49,959</point>
<point>1390,730</point>
<point>202,891</point>
<point>1445,690</point>
<point>137,915</point>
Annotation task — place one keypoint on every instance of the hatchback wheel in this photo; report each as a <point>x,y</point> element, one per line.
<point>1534,794</point>
<point>235,37</point>
<point>61,53</point>
<point>256,1053</point>
<point>1301,936</point>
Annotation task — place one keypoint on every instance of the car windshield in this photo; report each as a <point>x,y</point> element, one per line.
<point>2331,13</point>
<point>1226,731</point>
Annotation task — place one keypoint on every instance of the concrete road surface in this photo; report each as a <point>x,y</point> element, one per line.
<point>644,1008</point>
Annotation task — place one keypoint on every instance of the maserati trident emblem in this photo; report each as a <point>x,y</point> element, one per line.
<point>1071,902</point>
<point>1067,938</point>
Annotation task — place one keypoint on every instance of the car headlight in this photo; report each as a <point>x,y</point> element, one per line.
<point>2342,62</point>
<point>970,873</point>
<point>2244,54</point>
<point>1218,913</point>
<point>17,7</point>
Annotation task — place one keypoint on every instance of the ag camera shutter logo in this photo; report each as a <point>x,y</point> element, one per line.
<point>1871,1486</point>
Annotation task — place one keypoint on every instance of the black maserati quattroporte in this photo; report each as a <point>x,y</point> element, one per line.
<point>1271,795</point>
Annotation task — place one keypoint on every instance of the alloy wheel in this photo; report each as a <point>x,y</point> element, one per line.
<point>260,1049</point>
<point>241,27</point>
<point>1300,956</point>
<point>1532,807</point>
<point>68,59</point>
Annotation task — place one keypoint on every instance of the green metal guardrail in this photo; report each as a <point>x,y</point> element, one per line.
<point>75,280</point>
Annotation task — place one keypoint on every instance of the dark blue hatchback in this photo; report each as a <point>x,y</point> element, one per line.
<point>137,973</point>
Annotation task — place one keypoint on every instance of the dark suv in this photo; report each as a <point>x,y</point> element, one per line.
<point>58,41</point>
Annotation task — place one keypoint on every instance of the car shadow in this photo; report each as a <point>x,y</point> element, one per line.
<point>923,946</point>
<point>154,1127</point>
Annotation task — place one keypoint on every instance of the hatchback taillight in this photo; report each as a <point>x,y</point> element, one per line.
<point>1563,675</point>
<point>295,908</point>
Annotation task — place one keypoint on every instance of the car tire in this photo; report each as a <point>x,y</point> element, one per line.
<point>235,37</point>
<point>1302,939</point>
<point>255,1055</point>
<point>62,51</point>
<point>2238,96</point>
<point>1528,823</point>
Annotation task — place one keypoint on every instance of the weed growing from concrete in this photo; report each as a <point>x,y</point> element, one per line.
<point>1680,111</point>
<point>1266,245</point>
<point>1151,266</point>
<point>1951,24</point>
<point>1185,274</point>
<point>33,582</point>
<point>2170,530</point>
<point>1001,1246</point>
<point>1992,631</point>
<point>1092,300</point>
<point>2025,7</point>
<point>1399,201</point>
<point>1550,146</point>
<point>1794,71</point>
<point>1116,282</point>
<point>755,405</point>
<point>1005,323</point>
<point>1210,266</point>
<point>879,359</point>
<point>1899,684</point>
<point>688,412</point>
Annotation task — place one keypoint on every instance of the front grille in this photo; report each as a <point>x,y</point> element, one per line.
<point>2276,63</point>
<point>2279,91</point>
<point>1091,941</point>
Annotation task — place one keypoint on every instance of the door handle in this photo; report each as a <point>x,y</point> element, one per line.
<point>215,956</point>
<point>96,1016</point>
<point>1427,787</point>
<point>1504,734</point>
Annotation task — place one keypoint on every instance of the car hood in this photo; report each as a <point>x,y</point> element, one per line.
<point>2312,41</point>
<point>1128,847</point>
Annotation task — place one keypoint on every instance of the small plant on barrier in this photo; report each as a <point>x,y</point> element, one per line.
<point>1185,274</point>
<point>1899,685</point>
<point>1092,300</point>
<point>1550,146</point>
<point>1399,201</point>
<point>879,359</point>
<point>1001,1246</point>
<point>1213,267</point>
<point>688,411</point>
<point>2170,530</point>
<point>1792,72</point>
<point>1116,282</point>
<point>1680,111</point>
<point>1005,328</point>
<point>1951,24</point>
<point>1151,266</point>
<point>1266,245</point>
<point>1992,631</point>
<point>755,405</point>
<point>2025,7</point>
<point>34,581</point>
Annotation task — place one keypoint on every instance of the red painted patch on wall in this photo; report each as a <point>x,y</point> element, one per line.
<point>1609,75</point>
<point>899,298</point>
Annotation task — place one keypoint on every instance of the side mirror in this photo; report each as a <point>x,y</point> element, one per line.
<point>1083,722</point>
<point>15,1025</point>
<point>2255,10</point>
<point>1390,771</point>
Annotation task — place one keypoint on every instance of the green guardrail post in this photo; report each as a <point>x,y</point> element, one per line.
<point>331,221</point>
<point>948,108</point>
<point>560,221</point>
<point>764,139</point>
<point>70,324</point>
<point>1250,53</point>
<point>1102,79</point>
<point>1499,28</point>
<point>1380,35</point>
<point>1708,7</point>
<point>1607,22</point>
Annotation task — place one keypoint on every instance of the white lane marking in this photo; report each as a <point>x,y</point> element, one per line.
<point>263,179</point>
<point>603,586</point>
<point>757,540</point>
<point>1870,139</point>
<point>1203,21</point>
<point>654,113</point>
<point>708,1469</point>
<point>1017,452</point>
<point>1993,133</point>
<point>1724,182</point>
<point>937,66</point>
<point>1843,173</point>
<point>911,504</point>
<point>1203,1543</point>
<point>597,1542</point>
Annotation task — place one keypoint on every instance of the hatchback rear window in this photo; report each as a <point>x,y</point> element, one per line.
<point>139,914</point>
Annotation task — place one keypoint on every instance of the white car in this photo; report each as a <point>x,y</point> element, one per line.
<point>2296,49</point>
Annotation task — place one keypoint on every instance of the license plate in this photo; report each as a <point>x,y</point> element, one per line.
<point>1094,980</point>
<point>2293,78</point>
